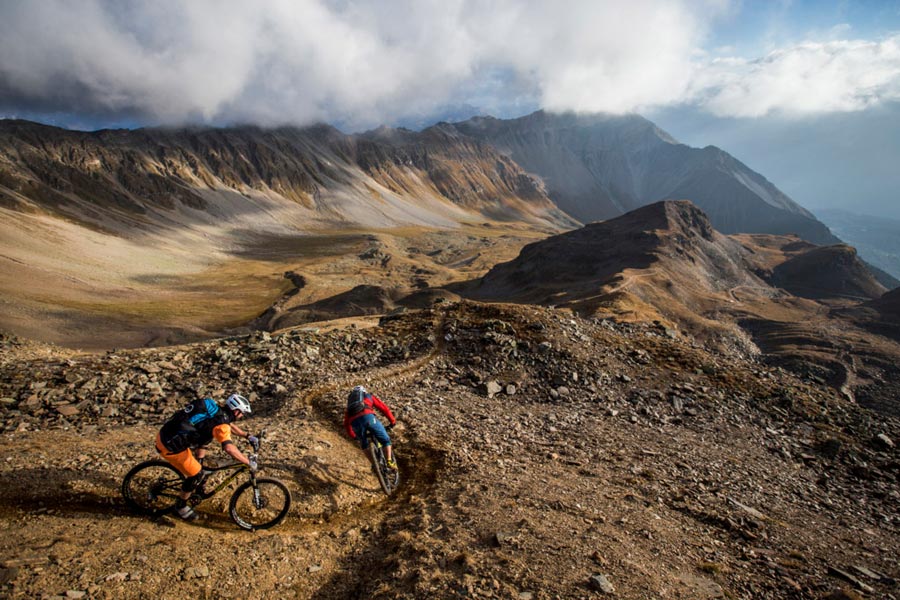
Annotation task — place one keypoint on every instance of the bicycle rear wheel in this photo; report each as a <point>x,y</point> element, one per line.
<point>260,506</point>
<point>388,478</point>
<point>152,487</point>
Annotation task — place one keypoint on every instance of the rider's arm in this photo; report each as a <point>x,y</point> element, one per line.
<point>222,433</point>
<point>233,451</point>
<point>377,403</point>
<point>347,426</point>
<point>238,431</point>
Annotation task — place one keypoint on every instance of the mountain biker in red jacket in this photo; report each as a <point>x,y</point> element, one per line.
<point>359,417</point>
<point>183,438</point>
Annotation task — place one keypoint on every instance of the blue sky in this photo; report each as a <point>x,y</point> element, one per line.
<point>806,93</point>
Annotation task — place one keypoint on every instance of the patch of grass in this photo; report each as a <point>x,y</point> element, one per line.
<point>712,568</point>
<point>227,295</point>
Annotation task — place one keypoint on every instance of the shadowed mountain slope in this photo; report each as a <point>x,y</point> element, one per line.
<point>663,259</point>
<point>665,263</point>
<point>889,303</point>
<point>601,166</point>
<point>285,178</point>
<point>828,272</point>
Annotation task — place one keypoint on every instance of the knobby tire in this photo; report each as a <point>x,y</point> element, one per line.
<point>152,487</point>
<point>387,478</point>
<point>275,501</point>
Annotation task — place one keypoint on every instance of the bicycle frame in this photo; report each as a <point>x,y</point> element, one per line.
<point>238,469</point>
<point>154,488</point>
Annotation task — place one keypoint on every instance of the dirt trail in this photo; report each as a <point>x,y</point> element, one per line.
<point>610,449</point>
<point>56,497</point>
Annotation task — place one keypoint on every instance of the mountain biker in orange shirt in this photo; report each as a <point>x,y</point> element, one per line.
<point>359,417</point>
<point>192,428</point>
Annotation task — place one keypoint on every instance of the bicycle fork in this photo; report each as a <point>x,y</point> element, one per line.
<point>258,500</point>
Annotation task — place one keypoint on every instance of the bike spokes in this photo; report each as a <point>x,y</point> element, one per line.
<point>260,505</point>
<point>152,487</point>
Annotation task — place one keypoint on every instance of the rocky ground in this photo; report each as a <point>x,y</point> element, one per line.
<point>544,456</point>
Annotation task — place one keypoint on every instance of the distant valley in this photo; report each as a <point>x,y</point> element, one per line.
<point>163,236</point>
<point>876,238</point>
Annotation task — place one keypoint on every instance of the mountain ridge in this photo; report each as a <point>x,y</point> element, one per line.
<point>591,166</point>
<point>627,161</point>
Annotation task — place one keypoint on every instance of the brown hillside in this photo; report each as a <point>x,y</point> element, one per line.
<point>827,272</point>
<point>663,261</point>
<point>889,303</point>
<point>540,451</point>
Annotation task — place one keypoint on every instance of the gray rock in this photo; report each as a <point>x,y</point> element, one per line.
<point>502,538</point>
<point>885,441</point>
<point>601,584</point>
<point>491,388</point>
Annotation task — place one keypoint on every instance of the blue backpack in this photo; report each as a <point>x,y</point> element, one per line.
<point>199,410</point>
<point>180,431</point>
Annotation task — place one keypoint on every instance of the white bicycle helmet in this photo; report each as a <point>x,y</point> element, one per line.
<point>358,388</point>
<point>239,402</point>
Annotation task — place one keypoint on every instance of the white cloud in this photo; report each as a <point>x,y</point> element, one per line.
<point>806,79</point>
<point>366,62</point>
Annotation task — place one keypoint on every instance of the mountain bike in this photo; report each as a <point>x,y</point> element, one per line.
<point>153,488</point>
<point>388,478</point>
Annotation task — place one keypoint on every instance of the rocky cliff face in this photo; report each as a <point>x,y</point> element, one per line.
<point>601,166</point>
<point>315,174</point>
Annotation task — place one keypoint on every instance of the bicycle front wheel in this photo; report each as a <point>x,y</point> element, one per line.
<point>152,487</point>
<point>260,505</point>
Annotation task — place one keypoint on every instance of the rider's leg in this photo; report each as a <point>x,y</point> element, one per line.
<point>382,436</point>
<point>186,464</point>
<point>360,426</point>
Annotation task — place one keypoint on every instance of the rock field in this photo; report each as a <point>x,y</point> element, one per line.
<point>543,456</point>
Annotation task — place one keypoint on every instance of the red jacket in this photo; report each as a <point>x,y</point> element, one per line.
<point>371,402</point>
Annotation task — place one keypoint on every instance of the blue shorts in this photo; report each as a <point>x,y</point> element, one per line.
<point>369,422</point>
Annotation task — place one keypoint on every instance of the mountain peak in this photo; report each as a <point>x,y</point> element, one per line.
<point>674,216</point>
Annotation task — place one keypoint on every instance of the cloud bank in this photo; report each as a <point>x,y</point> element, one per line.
<point>367,62</point>
<point>806,79</point>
